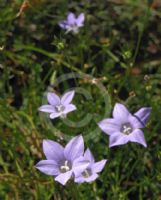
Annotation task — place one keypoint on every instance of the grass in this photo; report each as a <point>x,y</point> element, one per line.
<point>114,58</point>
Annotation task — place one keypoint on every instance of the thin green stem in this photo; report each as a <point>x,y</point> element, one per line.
<point>75,194</point>
<point>141,31</point>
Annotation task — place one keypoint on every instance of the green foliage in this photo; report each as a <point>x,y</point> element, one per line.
<point>119,47</point>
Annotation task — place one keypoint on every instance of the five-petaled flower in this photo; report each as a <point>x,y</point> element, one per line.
<point>63,163</point>
<point>125,127</point>
<point>59,107</point>
<point>72,24</point>
<point>90,173</point>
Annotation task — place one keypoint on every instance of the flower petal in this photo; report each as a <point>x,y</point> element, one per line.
<point>67,97</point>
<point>75,148</point>
<point>53,99</point>
<point>120,113</point>
<point>118,139</point>
<point>48,167</point>
<point>69,108</point>
<point>143,114</point>
<point>80,20</point>
<point>47,108</point>
<point>109,126</point>
<point>88,156</point>
<point>98,166</point>
<point>63,24</point>
<point>71,18</point>
<point>91,178</point>
<point>135,122</point>
<point>138,136</point>
<point>55,115</point>
<point>81,179</point>
<point>53,150</point>
<point>64,177</point>
<point>79,165</point>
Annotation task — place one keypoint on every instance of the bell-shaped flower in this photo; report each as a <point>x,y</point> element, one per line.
<point>63,162</point>
<point>91,172</point>
<point>59,106</point>
<point>72,23</point>
<point>125,127</point>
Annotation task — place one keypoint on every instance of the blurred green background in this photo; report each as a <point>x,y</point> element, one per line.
<point>120,48</point>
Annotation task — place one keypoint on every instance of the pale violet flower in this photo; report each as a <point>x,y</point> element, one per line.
<point>125,127</point>
<point>91,172</point>
<point>72,23</point>
<point>63,162</point>
<point>59,106</point>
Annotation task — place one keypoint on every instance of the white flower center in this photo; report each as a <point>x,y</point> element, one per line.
<point>74,28</point>
<point>87,173</point>
<point>60,108</point>
<point>74,25</point>
<point>126,128</point>
<point>65,166</point>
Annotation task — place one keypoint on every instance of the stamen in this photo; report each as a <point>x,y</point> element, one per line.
<point>60,108</point>
<point>65,166</point>
<point>87,173</point>
<point>126,128</point>
<point>74,27</point>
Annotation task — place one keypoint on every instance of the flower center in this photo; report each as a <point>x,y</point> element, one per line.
<point>74,25</point>
<point>87,173</point>
<point>59,108</point>
<point>65,166</point>
<point>126,128</point>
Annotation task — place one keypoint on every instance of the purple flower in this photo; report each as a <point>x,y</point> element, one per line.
<point>90,173</point>
<point>125,127</point>
<point>63,163</point>
<point>72,23</point>
<point>59,107</point>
